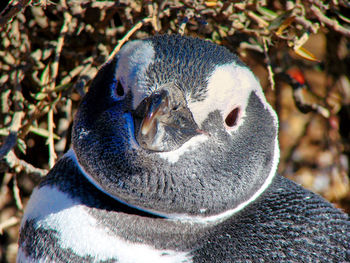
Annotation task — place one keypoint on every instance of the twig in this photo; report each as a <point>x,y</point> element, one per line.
<point>261,22</point>
<point>60,42</point>
<point>12,221</point>
<point>128,35</point>
<point>16,194</point>
<point>14,162</point>
<point>4,189</point>
<point>11,139</point>
<point>319,3</point>
<point>79,70</point>
<point>312,27</point>
<point>153,12</point>
<point>305,107</point>
<point>103,4</point>
<point>63,126</point>
<point>299,42</point>
<point>11,11</point>
<point>255,47</point>
<point>54,73</point>
<point>17,117</point>
<point>182,26</point>
<point>39,111</point>
<point>50,140</point>
<point>86,75</point>
<point>334,24</point>
<point>268,65</point>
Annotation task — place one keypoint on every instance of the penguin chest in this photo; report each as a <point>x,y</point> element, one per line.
<point>59,228</point>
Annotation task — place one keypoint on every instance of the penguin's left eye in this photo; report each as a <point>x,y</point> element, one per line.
<point>232,118</point>
<point>120,89</point>
<point>119,92</point>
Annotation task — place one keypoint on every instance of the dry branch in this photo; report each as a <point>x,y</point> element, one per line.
<point>128,35</point>
<point>332,23</point>
<point>50,53</point>
<point>12,10</point>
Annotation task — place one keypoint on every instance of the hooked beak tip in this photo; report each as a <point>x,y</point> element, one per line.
<point>147,124</point>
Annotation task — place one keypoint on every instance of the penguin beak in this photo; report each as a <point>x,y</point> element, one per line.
<point>158,108</point>
<point>163,122</point>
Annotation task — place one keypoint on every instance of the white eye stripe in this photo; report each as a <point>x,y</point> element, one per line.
<point>229,87</point>
<point>134,59</point>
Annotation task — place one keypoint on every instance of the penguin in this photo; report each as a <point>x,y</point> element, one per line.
<point>173,159</point>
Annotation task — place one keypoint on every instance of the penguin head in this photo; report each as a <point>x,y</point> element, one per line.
<point>178,127</point>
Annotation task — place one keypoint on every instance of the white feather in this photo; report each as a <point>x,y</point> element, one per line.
<point>229,87</point>
<point>190,145</point>
<point>134,59</point>
<point>81,232</point>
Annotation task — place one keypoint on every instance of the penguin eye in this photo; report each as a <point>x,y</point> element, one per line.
<point>119,90</point>
<point>232,117</point>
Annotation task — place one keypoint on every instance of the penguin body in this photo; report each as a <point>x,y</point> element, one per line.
<point>174,159</point>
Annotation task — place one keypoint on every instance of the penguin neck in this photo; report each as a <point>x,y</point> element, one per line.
<point>231,208</point>
<point>201,214</point>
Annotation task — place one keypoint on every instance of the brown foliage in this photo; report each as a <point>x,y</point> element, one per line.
<point>50,50</point>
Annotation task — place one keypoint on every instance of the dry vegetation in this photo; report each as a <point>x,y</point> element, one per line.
<point>50,50</point>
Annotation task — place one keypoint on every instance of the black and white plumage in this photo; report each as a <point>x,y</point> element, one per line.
<point>174,159</point>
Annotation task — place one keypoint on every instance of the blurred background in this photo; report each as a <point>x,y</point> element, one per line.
<point>50,51</point>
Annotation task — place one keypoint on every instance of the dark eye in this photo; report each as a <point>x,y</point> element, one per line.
<point>119,90</point>
<point>232,117</point>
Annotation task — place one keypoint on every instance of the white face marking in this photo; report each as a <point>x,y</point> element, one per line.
<point>229,87</point>
<point>79,231</point>
<point>134,59</point>
<point>190,145</point>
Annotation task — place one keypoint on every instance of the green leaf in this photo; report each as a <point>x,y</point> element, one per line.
<point>21,145</point>
<point>267,12</point>
<point>306,54</point>
<point>278,21</point>
<point>42,132</point>
<point>44,78</point>
<point>39,96</point>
